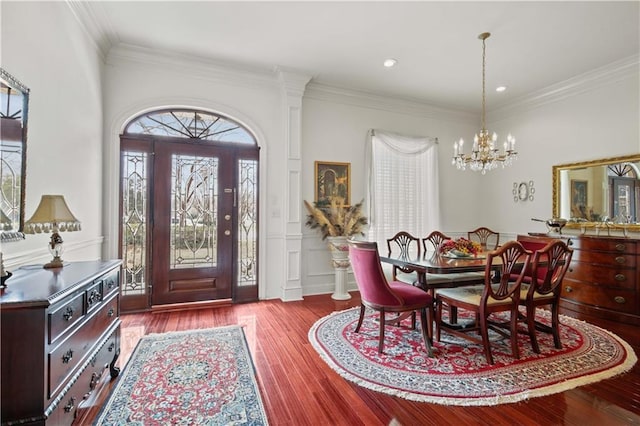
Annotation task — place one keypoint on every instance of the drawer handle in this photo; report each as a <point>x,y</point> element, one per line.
<point>67,357</point>
<point>111,347</point>
<point>95,378</point>
<point>94,296</point>
<point>68,314</point>
<point>620,277</point>
<point>569,242</point>
<point>568,289</point>
<point>111,284</point>
<point>620,247</point>
<point>620,259</point>
<point>70,405</point>
<point>110,313</point>
<point>620,299</point>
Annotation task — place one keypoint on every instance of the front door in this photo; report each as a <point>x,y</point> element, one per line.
<point>189,215</point>
<point>192,227</point>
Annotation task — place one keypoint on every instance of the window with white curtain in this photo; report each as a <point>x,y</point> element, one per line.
<point>403,185</point>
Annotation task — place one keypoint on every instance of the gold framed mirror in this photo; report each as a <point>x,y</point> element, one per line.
<point>598,191</point>
<point>14,107</point>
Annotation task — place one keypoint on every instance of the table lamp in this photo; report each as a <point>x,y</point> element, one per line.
<point>53,215</point>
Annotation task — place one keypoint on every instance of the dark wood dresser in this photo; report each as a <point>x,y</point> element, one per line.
<point>60,336</point>
<point>603,280</point>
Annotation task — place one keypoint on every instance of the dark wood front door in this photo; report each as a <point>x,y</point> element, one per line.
<point>192,247</point>
<point>188,211</point>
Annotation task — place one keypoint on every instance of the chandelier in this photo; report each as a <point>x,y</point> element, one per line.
<point>484,153</point>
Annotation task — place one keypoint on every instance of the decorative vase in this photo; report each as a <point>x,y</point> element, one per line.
<point>339,250</point>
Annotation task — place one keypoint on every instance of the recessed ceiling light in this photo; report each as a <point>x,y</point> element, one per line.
<point>501,88</point>
<point>390,62</point>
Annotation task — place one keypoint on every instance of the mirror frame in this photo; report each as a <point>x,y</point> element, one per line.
<point>600,162</point>
<point>18,234</point>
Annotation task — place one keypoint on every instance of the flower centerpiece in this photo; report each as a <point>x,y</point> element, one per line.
<point>336,219</point>
<point>461,247</point>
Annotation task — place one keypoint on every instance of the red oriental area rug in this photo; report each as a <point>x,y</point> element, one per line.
<point>194,377</point>
<point>459,374</point>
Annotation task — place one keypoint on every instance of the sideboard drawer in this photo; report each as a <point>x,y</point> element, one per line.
<point>84,386</point>
<point>64,317</point>
<point>617,245</point>
<point>94,296</point>
<point>111,283</point>
<point>605,297</point>
<point>611,259</point>
<point>64,358</point>
<point>625,278</point>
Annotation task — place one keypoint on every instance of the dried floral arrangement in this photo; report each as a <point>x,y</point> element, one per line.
<point>336,219</point>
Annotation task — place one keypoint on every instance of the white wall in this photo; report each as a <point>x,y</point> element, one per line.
<point>596,115</point>
<point>335,125</point>
<point>44,47</point>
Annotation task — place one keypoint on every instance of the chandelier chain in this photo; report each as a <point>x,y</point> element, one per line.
<point>483,84</point>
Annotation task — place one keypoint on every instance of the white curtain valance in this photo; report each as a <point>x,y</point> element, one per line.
<point>404,144</point>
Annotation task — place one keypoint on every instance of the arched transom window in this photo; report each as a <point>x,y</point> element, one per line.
<point>193,124</point>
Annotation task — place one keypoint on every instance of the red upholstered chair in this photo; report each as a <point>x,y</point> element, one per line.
<point>489,298</point>
<point>488,239</point>
<point>382,296</point>
<point>547,271</point>
<point>406,245</point>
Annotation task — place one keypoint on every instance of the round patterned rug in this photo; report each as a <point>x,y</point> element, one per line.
<point>458,373</point>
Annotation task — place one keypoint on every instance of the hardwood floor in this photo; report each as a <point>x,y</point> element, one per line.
<point>298,388</point>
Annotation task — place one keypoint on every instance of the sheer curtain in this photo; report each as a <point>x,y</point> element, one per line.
<point>402,192</point>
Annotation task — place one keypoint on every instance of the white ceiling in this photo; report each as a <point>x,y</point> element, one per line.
<point>533,44</point>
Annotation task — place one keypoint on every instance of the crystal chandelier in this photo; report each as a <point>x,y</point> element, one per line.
<point>484,154</point>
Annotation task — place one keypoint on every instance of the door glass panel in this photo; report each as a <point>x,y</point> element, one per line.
<point>134,222</point>
<point>194,212</point>
<point>624,208</point>
<point>195,125</point>
<point>247,222</point>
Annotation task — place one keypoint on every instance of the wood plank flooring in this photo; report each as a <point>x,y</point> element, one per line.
<point>298,388</point>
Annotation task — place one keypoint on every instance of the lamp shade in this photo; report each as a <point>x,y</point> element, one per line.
<point>52,214</point>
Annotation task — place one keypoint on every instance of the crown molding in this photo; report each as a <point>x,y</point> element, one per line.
<point>293,81</point>
<point>205,68</point>
<point>360,98</point>
<point>95,24</point>
<point>609,74</point>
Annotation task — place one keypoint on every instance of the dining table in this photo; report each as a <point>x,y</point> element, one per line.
<point>432,262</point>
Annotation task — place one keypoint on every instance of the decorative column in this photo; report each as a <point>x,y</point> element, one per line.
<point>293,85</point>
<point>340,260</point>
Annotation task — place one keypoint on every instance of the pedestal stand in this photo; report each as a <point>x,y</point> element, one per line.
<point>339,250</point>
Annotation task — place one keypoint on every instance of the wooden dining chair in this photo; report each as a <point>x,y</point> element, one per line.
<point>406,245</point>
<point>435,240</point>
<point>380,295</point>
<point>488,239</point>
<point>546,273</point>
<point>489,298</point>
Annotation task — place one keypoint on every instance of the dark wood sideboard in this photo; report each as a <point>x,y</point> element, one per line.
<point>603,280</point>
<point>60,336</point>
